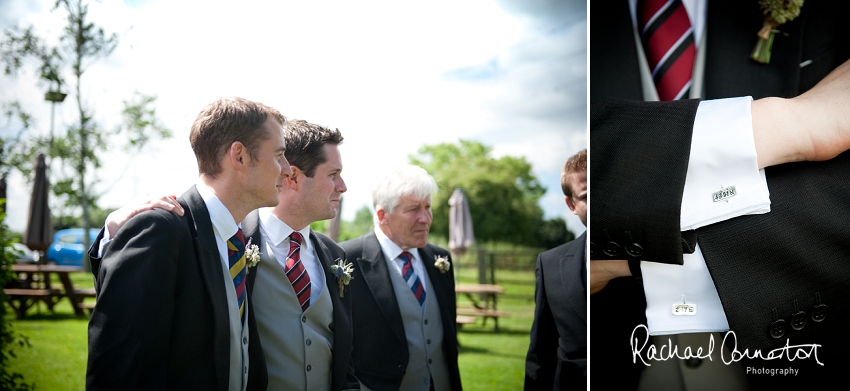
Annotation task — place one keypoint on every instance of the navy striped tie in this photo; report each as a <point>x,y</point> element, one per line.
<point>412,279</point>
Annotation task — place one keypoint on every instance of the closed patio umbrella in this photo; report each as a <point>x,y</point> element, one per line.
<point>461,236</point>
<point>39,232</point>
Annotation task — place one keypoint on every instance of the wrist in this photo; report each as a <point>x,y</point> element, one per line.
<point>778,138</point>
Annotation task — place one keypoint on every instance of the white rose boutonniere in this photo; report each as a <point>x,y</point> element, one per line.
<point>252,254</point>
<point>442,264</point>
<point>342,271</point>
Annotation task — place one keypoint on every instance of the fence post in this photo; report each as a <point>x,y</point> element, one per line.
<point>482,266</point>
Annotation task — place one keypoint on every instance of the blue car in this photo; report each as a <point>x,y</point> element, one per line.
<point>67,247</point>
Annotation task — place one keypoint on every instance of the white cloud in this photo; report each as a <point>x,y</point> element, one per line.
<point>374,69</point>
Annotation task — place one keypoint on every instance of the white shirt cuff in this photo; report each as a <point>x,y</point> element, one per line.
<point>723,182</point>
<point>723,179</point>
<point>690,284</point>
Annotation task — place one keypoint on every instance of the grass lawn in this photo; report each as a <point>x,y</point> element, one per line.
<point>56,359</point>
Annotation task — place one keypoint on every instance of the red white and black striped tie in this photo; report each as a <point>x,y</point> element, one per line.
<point>668,42</point>
<point>296,272</point>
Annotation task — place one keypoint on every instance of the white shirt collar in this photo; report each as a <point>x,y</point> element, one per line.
<point>222,221</point>
<point>278,231</point>
<point>390,249</point>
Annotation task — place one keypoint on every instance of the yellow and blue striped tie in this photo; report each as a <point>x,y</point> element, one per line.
<point>236,257</point>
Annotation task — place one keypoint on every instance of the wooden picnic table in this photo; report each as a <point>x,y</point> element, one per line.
<point>484,305</point>
<point>33,285</point>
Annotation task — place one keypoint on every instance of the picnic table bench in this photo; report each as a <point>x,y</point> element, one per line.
<point>484,306</point>
<point>33,285</point>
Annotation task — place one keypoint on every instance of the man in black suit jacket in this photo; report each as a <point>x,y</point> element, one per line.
<point>167,315</point>
<point>310,194</point>
<point>399,345</point>
<point>557,353</point>
<point>790,253</point>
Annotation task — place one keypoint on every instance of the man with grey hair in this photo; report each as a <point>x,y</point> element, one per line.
<point>405,336</point>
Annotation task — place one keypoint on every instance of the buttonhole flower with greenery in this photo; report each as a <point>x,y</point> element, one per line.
<point>252,254</point>
<point>776,13</point>
<point>342,271</point>
<point>442,264</point>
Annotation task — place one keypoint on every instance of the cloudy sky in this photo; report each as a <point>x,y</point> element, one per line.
<point>391,76</point>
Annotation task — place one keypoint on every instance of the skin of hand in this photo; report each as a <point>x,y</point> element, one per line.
<point>603,271</point>
<point>814,126</point>
<point>117,218</point>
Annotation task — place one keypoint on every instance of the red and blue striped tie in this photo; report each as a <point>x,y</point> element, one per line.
<point>412,279</point>
<point>296,272</point>
<point>668,42</point>
<point>236,258</point>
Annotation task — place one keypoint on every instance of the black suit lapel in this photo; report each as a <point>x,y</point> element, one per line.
<point>572,277</point>
<point>731,35</point>
<point>572,262</point>
<point>442,290</point>
<point>439,282</point>
<point>209,263</point>
<point>325,260</point>
<point>343,333</point>
<point>377,278</point>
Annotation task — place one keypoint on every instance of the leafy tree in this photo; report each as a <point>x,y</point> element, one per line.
<point>9,340</point>
<point>348,229</point>
<point>74,153</point>
<point>361,224</point>
<point>554,232</point>
<point>502,193</point>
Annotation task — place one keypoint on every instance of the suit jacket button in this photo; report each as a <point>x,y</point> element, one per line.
<point>401,368</point>
<point>635,250</point>
<point>798,321</point>
<point>309,342</point>
<point>309,367</point>
<point>777,328</point>
<point>303,319</point>
<point>612,249</point>
<point>819,312</point>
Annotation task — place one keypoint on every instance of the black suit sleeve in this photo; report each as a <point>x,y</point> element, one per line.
<point>637,176</point>
<point>129,331</point>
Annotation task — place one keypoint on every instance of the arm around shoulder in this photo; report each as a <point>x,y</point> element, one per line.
<point>129,330</point>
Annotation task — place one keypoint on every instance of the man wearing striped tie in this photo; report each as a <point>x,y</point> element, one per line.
<point>303,314</point>
<point>172,311</point>
<point>404,307</point>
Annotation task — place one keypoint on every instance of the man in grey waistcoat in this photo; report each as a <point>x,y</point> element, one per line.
<point>405,335</point>
<point>303,313</point>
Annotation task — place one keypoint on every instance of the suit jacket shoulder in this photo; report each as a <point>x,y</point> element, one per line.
<point>157,264</point>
